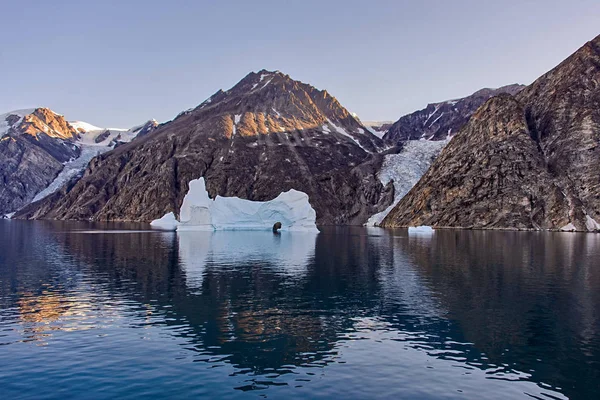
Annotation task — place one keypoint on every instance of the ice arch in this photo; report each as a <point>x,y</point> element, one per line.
<point>199,212</point>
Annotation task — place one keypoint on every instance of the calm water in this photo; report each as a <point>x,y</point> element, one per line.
<point>353,313</point>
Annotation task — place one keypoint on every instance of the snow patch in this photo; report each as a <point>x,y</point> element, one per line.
<point>84,126</point>
<point>200,213</point>
<point>436,120</point>
<point>342,131</point>
<point>4,125</point>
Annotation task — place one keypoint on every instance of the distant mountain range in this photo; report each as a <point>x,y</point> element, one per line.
<point>516,157</point>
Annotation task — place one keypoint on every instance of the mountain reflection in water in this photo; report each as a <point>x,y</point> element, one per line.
<point>353,311</point>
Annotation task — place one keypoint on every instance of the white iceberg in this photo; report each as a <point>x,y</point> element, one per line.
<point>420,230</point>
<point>199,213</point>
<point>168,222</point>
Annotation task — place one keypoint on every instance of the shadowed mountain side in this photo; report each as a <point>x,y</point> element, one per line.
<point>523,162</point>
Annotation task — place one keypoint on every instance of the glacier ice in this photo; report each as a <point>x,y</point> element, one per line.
<point>405,169</point>
<point>89,149</point>
<point>199,212</point>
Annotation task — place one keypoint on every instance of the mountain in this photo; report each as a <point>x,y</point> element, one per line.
<point>34,145</point>
<point>528,161</point>
<point>266,135</point>
<point>39,149</point>
<point>439,121</point>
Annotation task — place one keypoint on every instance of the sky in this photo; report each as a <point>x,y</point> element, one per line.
<point>120,63</point>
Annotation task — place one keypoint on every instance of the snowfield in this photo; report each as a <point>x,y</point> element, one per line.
<point>200,213</point>
<point>405,169</point>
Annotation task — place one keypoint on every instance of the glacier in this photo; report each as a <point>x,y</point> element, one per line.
<point>90,148</point>
<point>201,213</point>
<point>405,169</point>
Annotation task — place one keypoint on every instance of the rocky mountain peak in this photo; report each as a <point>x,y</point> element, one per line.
<point>36,122</point>
<point>267,102</point>
<point>44,120</point>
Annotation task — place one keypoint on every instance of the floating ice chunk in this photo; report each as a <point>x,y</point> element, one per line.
<point>168,222</point>
<point>420,230</point>
<point>569,228</point>
<point>198,212</point>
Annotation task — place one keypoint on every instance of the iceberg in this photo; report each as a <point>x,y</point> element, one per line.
<point>420,230</point>
<point>200,213</point>
<point>168,222</point>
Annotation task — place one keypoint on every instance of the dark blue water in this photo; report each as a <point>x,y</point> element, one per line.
<point>92,313</point>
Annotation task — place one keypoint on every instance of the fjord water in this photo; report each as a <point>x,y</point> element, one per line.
<point>97,311</point>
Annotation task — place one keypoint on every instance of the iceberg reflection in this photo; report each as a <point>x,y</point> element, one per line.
<point>287,253</point>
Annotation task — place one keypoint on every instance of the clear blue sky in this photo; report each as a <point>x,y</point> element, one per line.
<point>118,63</point>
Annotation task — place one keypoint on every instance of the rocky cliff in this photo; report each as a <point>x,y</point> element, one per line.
<point>439,121</point>
<point>523,162</point>
<point>266,135</point>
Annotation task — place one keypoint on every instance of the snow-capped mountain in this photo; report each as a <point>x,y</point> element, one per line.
<point>34,144</point>
<point>39,150</point>
<point>266,135</point>
<point>440,121</point>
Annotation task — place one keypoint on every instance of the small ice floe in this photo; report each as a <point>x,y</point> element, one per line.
<point>420,230</point>
<point>569,228</point>
<point>168,222</point>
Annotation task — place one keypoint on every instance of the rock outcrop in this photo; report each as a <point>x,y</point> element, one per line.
<point>523,162</point>
<point>266,135</point>
<point>440,121</point>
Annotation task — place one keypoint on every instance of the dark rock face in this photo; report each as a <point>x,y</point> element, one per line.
<point>102,137</point>
<point>31,155</point>
<point>439,121</point>
<point>524,162</point>
<point>145,129</point>
<point>266,135</point>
